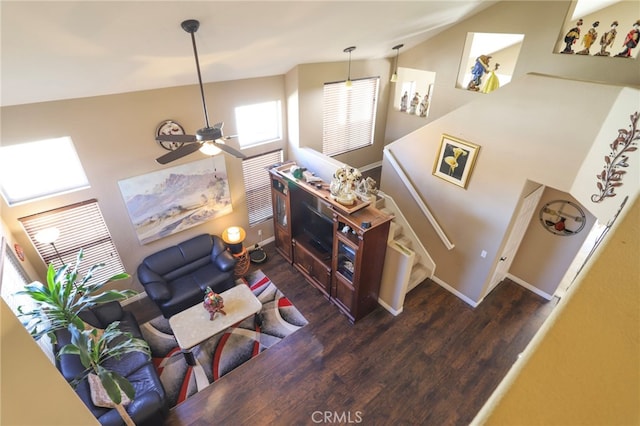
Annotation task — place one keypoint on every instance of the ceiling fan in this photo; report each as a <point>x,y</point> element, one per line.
<point>208,139</point>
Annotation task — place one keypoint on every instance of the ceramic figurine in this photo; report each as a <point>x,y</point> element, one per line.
<point>477,71</point>
<point>493,82</point>
<point>630,41</point>
<point>343,185</point>
<point>607,39</point>
<point>589,38</point>
<point>424,106</point>
<point>572,35</point>
<point>366,189</point>
<point>414,103</point>
<point>213,303</point>
<point>403,102</point>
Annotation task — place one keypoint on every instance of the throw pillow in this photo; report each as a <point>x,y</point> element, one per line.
<point>99,395</point>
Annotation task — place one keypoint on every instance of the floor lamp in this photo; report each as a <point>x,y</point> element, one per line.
<point>49,236</point>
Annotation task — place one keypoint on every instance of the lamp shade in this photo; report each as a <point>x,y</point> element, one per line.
<point>233,236</point>
<point>210,148</point>
<point>47,235</point>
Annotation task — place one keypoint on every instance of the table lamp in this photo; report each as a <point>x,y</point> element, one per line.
<point>233,236</point>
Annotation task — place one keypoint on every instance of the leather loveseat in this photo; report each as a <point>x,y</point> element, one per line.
<point>149,407</point>
<point>176,278</point>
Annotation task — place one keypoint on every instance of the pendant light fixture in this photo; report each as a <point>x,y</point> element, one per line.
<point>394,76</point>
<point>349,50</point>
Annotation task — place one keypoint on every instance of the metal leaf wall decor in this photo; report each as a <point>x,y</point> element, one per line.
<point>618,159</point>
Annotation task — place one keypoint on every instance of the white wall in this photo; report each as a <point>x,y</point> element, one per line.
<point>531,144</point>
<point>114,136</point>
<point>582,367</point>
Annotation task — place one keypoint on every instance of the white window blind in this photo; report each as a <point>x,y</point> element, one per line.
<point>349,115</point>
<point>258,185</point>
<point>80,226</point>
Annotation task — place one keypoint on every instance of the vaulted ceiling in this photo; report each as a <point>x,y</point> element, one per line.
<point>55,50</point>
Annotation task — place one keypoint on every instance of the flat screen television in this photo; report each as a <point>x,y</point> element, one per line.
<point>319,229</point>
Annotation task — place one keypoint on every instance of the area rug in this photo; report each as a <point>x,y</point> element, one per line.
<point>222,353</point>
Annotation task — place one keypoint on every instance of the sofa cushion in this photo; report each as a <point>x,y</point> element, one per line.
<point>210,276</point>
<point>196,248</point>
<point>187,268</point>
<point>175,278</point>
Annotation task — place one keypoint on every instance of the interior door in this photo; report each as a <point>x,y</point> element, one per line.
<point>524,215</point>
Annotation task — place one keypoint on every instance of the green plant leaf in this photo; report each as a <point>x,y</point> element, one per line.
<point>110,386</point>
<point>124,384</point>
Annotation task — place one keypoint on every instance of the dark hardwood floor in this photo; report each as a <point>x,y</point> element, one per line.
<point>434,364</point>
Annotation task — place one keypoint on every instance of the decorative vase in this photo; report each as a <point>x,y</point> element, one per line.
<point>213,303</point>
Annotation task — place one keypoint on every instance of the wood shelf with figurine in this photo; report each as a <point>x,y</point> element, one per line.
<point>338,248</point>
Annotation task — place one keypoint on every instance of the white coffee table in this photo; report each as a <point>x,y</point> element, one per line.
<point>193,326</point>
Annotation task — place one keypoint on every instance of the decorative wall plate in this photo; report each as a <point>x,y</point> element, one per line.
<point>170,127</point>
<point>562,217</point>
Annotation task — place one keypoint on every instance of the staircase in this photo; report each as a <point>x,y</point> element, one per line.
<point>407,262</point>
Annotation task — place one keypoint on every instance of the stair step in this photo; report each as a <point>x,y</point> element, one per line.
<point>404,240</point>
<point>399,227</point>
<point>419,273</point>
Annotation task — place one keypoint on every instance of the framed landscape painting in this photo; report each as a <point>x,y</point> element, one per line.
<point>455,160</point>
<point>171,200</point>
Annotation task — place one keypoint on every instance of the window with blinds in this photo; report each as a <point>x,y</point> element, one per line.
<point>14,278</point>
<point>349,115</point>
<point>79,226</point>
<point>258,185</point>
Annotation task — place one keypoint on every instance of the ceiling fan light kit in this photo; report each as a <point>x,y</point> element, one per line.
<point>209,140</point>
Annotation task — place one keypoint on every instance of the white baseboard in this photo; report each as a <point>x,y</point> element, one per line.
<point>370,166</point>
<point>529,287</point>
<point>455,292</point>
<point>394,312</point>
<point>135,298</point>
<point>261,243</point>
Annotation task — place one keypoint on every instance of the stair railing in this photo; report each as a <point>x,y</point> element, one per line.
<point>416,197</point>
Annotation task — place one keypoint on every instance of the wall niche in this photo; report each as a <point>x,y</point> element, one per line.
<point>488,61</point>
<point>414,91</point>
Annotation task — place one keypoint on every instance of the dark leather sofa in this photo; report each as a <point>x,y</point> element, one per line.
<point>149,407</point>
<point>176,278</point>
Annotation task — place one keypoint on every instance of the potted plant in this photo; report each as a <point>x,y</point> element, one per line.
<point>95,347</point>
<point>59,303</point>
<point>64,296</point>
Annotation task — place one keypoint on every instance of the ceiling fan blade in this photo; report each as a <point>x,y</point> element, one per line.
<point>177,138</point>
<point>229,150</point>
<point>178,153</point>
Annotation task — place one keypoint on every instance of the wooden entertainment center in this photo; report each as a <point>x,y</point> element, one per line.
<point>339,249</point>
